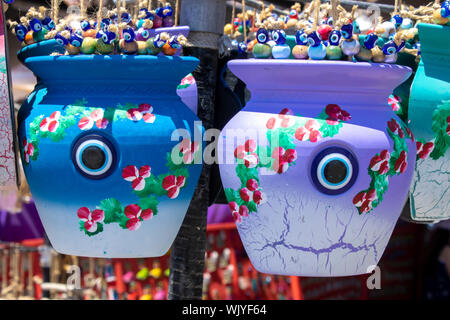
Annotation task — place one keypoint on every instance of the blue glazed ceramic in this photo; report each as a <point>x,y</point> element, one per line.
<point>108,178</point>
<point>43,48</point>
<point>429,115</point>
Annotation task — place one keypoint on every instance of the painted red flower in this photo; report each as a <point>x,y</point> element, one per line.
<point>395,102</point>
<point>90,219</point>
<point>28,150</point>
<point>247,152</point>
<point>282,159</point>
<point>283,120</point>
<point>173,184</point>
<point>51,123</point>
<point>95,117</point>
<point>336,114</point>
<point>136,177</point>
<point>448,126</point>
<point>380,163</point>
<point>409,133</point>
<point>136,215</point>
<point>238,212</point>
<point>188,149</point>
<point>144,111</point>
<point>310,132</point>
<point>424,149</point>
<point>401,163</point>
<point>395,128</point>
<point>363,200</point>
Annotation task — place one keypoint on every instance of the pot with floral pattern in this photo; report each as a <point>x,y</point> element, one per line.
<point>316,166</point>
<point>429,115</point>
<point>107,177</point>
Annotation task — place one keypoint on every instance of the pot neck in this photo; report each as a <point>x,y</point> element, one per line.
<point>273,82</point>
<point>95,76</point>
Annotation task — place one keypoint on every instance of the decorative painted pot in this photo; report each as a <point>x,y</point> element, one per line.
<point>315,167</point>
<point>107,179</point>
<point>43,48</point>
<point>429,114</point>
<point>187,91</point>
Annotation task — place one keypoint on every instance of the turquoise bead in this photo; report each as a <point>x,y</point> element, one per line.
<point>317,53</point>
<point>281,51</point>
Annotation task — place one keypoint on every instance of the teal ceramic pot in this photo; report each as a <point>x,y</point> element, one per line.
<point>108,178</point>
<point>429,114</point>
<point>43,48</point>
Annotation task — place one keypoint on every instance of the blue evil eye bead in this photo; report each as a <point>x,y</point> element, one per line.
<point>445,9</point>
<point>262,36</point>
<point>145,34</point>
<point>167,11</point>
<point>406,24</point>
<point>114,18</point>
<point>128,34</point>
<point>85,25</point>
<point>20,31</point>
<point>242,47</point>
<point>334,37</point>
<point>347,31</point>
<point>370,40</point>
<point>76,40</point>
<point>79,32</point>
<point>108,37</point>
<point>274,15</point>
<point>48,23</point>
<point>94,156</point>
<point>61,40</point>
<point>389,48</point>
<point>279,36</point>
<point>314,39</point>
<point>35,25</point>
<point>173,42</point>
<point>8,1</point>
<point>147,14</point>
<point>158,42</point>
<point>334,170</point>
<point>330,21</point>
<point>301,38</point>
<point>126,17</point>
<point>356,28</point>
<point>159,12</point>
<point>397,20</point>
<point>105,24</point>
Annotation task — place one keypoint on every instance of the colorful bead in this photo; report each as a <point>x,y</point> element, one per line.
<point>300,52</point>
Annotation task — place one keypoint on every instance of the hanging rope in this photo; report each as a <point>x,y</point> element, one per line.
<point>233,13</point>
<point>119,15</point>
<point>150,5</point>
<point>316,14</point>
<point>177,12</point>
<point>100,14</point>
<point>83,9</point>
<point>244,18</point>
<point>57,3</point>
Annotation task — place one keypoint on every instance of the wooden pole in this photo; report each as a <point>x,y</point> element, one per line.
<point>100,14</point>
<point>82,9</point>
<point>119,15</point>
<point>177,12</point>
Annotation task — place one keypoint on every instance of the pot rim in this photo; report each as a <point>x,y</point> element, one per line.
<point>27,51</point>
<point>111,67</point>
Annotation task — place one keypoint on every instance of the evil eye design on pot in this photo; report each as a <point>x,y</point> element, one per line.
<point>314,39</point>
<point>334,170</point>
<point>445,9</point>
<point>262,36</point>
<point>20,31</point>
<point>279,36</point>
<point>128,34</point>
<point>85,25</point>
<point>94,156</point>
<point>61,40</point>
<point>35,25</point>
<point>48,23</point>
<point>335,37</point>
<point>347,31</point>
<point>301,38</point>
<point>76,40</point>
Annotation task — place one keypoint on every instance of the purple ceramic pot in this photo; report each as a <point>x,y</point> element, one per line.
<point>316,168</point>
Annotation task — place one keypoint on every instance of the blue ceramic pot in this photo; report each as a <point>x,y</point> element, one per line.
<point>43,48</point>
<point>96,145</point>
